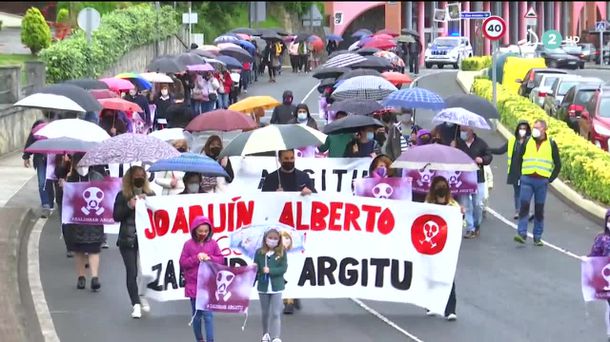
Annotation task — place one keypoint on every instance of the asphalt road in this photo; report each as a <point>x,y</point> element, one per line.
<point>505,292</point>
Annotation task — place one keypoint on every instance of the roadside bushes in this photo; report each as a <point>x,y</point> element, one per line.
<point>583,164</point>
<point>476,63</point>
<point>120,31</point>
<point>35,32</point>
<point>517,67</point>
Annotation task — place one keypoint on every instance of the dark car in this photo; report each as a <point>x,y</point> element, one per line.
<point>558,58</point>
<point>574,103</point>
<point>533,77</point>
<point>589,51</point>
<point>594,120</point>
<point>559,89</point>
<point>576,51</point>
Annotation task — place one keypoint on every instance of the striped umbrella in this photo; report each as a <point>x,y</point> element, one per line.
<point>356,106</point>
<point>364,87</point>
<point>344,60</point>
<point>415,98</point>
<point>190,162</point>
<point>226,39</point>
<point>273,138</point>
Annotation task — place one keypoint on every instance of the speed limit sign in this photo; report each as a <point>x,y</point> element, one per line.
<point>494,28</point>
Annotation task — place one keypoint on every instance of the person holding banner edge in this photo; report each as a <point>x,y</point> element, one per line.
<point>200,248</point>
<point>135,187</point>
<point>601,248</point>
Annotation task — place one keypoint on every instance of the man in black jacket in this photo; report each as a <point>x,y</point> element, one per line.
<point>285,112</point>
<point>478,150</point>
<point>179,113</point>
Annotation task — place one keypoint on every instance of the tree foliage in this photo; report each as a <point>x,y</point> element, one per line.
<point>35,32</point>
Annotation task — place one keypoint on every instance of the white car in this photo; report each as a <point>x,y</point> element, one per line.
<point>538,94</point>
<point>447,50</point>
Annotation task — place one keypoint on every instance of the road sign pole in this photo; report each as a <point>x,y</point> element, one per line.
<point>494,77</point>
<point>601,47</point>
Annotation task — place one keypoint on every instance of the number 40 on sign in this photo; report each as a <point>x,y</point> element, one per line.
<point>494,28</point>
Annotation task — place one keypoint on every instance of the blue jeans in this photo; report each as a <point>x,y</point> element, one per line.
<point>207,106</point>
<point>532,187</point>
<point>473,204</point>
<point>245,79</point>
<point>197,107</point>
<point>45,186</point>
<point>208,320</point>
<point>223,101</point>
<point>517,200</point>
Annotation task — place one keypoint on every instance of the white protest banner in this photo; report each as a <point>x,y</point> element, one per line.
<point>386,250</point>
<point>329,174</point>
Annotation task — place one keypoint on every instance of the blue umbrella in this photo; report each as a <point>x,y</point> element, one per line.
<point>462,117</point>
<point>226,39</point>
<point>190,162</point>
<point>415,98</point>
<point>335,37</point>
<point>230,62</point>
<point>246,45</point>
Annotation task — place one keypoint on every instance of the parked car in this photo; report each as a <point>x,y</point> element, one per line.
<point>447,50</point>
<point>532,79</point>
<point>559,89</point>
<point>576,51</point>
<point>594,123</point>
<point>589,51</point>
<point>574,103</point>
<point>558,58</point>
<point>538,94</point>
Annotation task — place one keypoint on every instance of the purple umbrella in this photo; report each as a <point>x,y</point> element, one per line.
<point>129,148</point>
<point>435,157</point>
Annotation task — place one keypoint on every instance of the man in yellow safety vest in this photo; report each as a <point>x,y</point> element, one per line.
<point>540,165</point>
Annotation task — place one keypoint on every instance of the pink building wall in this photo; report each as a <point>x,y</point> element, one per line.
<point>351,10</point>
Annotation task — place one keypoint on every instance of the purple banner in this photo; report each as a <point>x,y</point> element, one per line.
<point>90,202</point>
<point>460,182</point>
<point>387,188</point>
<point>595,274</point>
<point>224,289</point>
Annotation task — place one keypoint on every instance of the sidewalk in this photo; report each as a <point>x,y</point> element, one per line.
<point>13,177</point>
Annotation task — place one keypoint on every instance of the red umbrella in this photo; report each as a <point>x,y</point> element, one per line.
<point>382,44</point>
<point>103,94</point>
<point>387,32</point>
<point>120,105</point>
<point>396,78</point>
<point>383,36</point>
<point>220,120</point>
<point>316,43</point>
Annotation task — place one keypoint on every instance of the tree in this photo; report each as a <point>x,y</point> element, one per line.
<point>35,32</point>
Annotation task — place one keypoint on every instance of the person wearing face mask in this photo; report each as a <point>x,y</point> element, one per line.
<point>192,184</point>
<point>162,101</point>
<point>335,144</point>
<point>303,117</point>
<point>424,137</point>
<point>439,194</point>
<point>448,132</point>
<point>212,149</point>
<point>85,241</point>
<point>272,263</point>
<point>201,247</point>
<point>513,146</point>
<point>284,113</point>
<point>364,145</point>
<point>380,167</point>
<point>540,166</point>
<point>171,181</point>
<point>141,100</point>
<point>135,187</point>
<point>478,150</point>
<point>601,248</point>
<point>390,137</point>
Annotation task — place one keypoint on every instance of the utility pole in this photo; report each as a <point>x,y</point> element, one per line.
<point>157,47</point>
<point>190,25</point>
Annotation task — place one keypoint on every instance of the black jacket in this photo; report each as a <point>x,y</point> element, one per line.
<point>283,114</point>
<point>272,181</point>
<point>122,213</point>
<point>178,115</point>
<point>478,148</point>
<point>39,159</point>
<point>556,158</point>
<point>514,173</point>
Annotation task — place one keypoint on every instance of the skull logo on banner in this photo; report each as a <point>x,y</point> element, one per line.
<point>93,197</point>
<point>606,275</point>
<point>223,281</point>
<point>454,179</point>
<point>383,190</point>
<point>431,230</point>
<point>425,177</point>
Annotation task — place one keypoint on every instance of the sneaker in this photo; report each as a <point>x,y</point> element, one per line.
<point>297,304</point>
<point>289,309</point>
<point>520,239</point>
<point>470,235</point>
<point>451,317</point>
<point>69,254</point>
<point>137,311</point>
<point>105,245</point>
<point>430,313</point>
<point>245,91</point>
<point>516,216</point>
<point>145,305</point>
<point>266,338</point>
<point>80,284</point>
<point>538,243</point>
<point>95,284</point>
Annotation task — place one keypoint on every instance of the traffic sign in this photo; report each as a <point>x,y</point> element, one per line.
<point>551,39</point>
<point>475,15</point>
<point>494,28</point>
<point>600,26</point>
<point>89,20</point>
<point>531,18</point>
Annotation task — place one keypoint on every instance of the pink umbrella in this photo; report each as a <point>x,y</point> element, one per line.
<point>220,120</point>
<point>212,48</point>
<point>382,44</point>
<point>383,36</point>
<point>223,46</point>
<point>243,36</point>
<point>103,94</point>
<point>200,67</point>
<point>118,83</point>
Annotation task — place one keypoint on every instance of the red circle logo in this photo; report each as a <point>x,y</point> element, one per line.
<point>429,234</point>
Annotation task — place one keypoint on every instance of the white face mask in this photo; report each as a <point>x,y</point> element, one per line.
<point>164,92</point>
<point>271,243</point>
<point>608,225</point>
<point>192,188</point>
<point>132,92</point>
<point>82,170</point>
<point>536,133</point>
<point>522,133</point>
<point>302,117</point>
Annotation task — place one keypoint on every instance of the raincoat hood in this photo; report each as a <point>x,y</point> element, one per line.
<point>523,122</point>
<point>419,135</point>
<point>198,221</point>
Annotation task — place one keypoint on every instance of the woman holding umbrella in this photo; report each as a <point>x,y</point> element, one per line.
<point>363,145</point>
<point>114,122</point>
<point>212,149</point>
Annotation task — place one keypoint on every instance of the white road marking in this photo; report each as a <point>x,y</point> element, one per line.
<point>308,94</point>
<point>386,320</point>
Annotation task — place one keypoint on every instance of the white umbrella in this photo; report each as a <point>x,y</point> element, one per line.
<point>50,101</point>
<point>75,129</point>
<point>170,134</point>
<point>155,77</point>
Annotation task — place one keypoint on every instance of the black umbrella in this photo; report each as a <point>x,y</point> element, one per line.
<point>337,53</point>
<point>373,62</point>
<point>269,35</point>
<point>301,37</point>
<point>358,72</point>
<point>245,30</point>
<point>410,31</point>
<point>367,51</point>
<point>356,106</point>
<point>351,124</point>
<point>277,30</point>
<point>473,103</point>
<point>75,93</point>
<point>327,82</point>
<point>329,73</point>
<point>230,62</point>
<point>167,65</point>
<point>237,53</point>
<point>189,58</point>
<point>202,53</point>
<point>88,83</point>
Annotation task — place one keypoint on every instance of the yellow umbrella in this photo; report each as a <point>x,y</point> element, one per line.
<point>248,104</point>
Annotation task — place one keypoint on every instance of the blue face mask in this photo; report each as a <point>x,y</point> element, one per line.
<point>464,135</point>
<point>370,136</point>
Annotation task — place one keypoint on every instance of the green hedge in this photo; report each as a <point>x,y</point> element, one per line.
<point>476,63</point>
<point>119,32</point>
<point>584,165</point>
